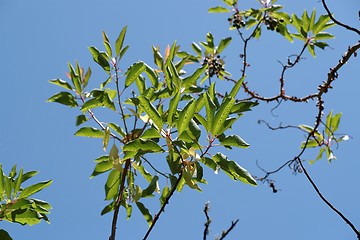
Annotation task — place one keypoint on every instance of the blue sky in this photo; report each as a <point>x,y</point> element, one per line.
<point>38,38</point>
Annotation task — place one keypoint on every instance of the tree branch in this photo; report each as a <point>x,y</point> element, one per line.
<point>336,21</point>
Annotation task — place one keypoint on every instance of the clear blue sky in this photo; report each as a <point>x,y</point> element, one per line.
<point>38,38</point>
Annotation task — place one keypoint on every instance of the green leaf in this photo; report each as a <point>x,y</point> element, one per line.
<point>150,133</point>
<point>80,119</point>
<point>90,104</point>
<point>191,80</point>
<point>241,107</point>
<point>164,194</point>
<point>117,129</point>
<point>187,176</point>
<point>196,49</point>
<point>123,51</point>
<point>145,212</point>
<point>75,77</point>
<point>235,89</point>
<point>218,9</point>
<point>151,112</point>
<point>28,175</point>
<point>335,121</point>
<point>323,35</point>
<point>321,45</point>
<point>185,116</point>
<point>34,189</point>
<point>209,163</point>
<point>133,73</point>
<point>312,20</point>
<point>223,44</point>
<point>173,107</point>
<point>112,184</point>
<point>120,40</point>
<point>2,184</point>
<point>319,25</point>
<point>61,83</point>
<point>108,208</point>
<point>158,59</point>
<point>296,22</point>
<point>210,111</point>
<point>90,132</point>
<point>233,169</point>
<point>106,138</point>
<point>102,167</point>
<point>18,182</point>
<point>221,116</point>
<point>233,141</point>
<point>306,21</point>
<point>145,145</point>
<point>310,144</point>
<point>152,75</point>
<point>147,192</point>
<point>100,59</point>
<point>64,98</point>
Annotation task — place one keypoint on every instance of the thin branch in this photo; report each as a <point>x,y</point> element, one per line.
<point>338,22</point>
<point>162,209</point>
<point>208,220</point>
<point>118,200</point>
<point>224,234</point>
<point>326,201</point>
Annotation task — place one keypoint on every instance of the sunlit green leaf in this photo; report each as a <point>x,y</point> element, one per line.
<point>233,169</point>
<point>164,195</point>
<point>34,189</point>
<point>221,115</point>
<point>64,98</point>
<point>146,145</point>
<point>100,59</point>
<point>233,141</point>
<point>189,180</point>
<point>151,111</point>
<point>185,116</point>
<point>158,59</point>
<point>134,72</point>
<point>223,44</point>
<point>90,132</point>
<point>323,35</point>
<point>102,167</point>
<point>117,129</point>
<point>335,121</point>
<point>61,83</point>
<point>18,182</point>
<point>218,9</point>
<point>120,40</point>
<point>112,184</point>
<point>147,192</point>
<point>145,212</point>
<point>80,119</point>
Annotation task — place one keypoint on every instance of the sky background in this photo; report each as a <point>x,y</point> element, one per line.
<point>38,38</point>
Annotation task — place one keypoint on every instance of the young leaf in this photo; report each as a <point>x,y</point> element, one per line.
<point>223,44</point>
<point>218,9</point>
<point>106,138</point>
<point>100,59</point>
<point>61,83</point>
<point>147,192</point>
<point>112,184</point>
<point>221,116</point>
<point>90,132</point>
<point>134,72</point>
<point>236,87</point>
<point>233,141</point>
<point>151,111</point>
<point>173,107</point>
<point>64,98</point>
<point>145,145</point>
<point>18,182</point>
<point>34,189</point>
<point>145,212</point>
<point>185,116</point>
<point>120,40</point>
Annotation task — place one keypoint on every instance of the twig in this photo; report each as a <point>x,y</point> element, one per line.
<point>156,217</point>
<point>326,201</point>
<point>336,21</point>
<point>118,200</point>
<point>208,220</point>
<point>224,234</point>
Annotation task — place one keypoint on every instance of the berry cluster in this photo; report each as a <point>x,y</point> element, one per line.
<point>215,65</point>
<point>236,21</point>
<point>273,23</point>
